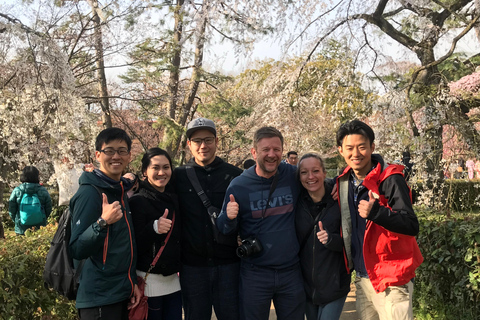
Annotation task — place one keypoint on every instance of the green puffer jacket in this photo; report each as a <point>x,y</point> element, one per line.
<point>16,198</point>
<point>109,274</point>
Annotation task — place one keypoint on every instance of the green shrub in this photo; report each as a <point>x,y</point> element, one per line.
<point>22,293</point>
<point>459,194</point>
<point>447,283</point>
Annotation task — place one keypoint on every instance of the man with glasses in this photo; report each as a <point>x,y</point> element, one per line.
<point>102,233</point>
<point>210,267</point>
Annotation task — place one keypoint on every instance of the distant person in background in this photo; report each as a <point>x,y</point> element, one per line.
<point>470,168</point>
<point>292,158</point>
<point>408,171</point>
<point>459,171</point>
<point>317,222</point>
<point>477,169</point>
<point>30,179</point>
<point>133,185</point>
<point>248,163</point>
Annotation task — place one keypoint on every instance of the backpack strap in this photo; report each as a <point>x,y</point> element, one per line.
<point>78,269</point>
<point>346,218</point>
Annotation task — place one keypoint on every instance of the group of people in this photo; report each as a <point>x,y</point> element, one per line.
<point>209,235</point>
<point>461,169</point>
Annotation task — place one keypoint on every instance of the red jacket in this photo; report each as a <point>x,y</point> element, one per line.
<point>390,258</point>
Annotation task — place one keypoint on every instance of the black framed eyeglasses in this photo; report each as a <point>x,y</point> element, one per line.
<point>110,151</point>
<point>207,140</point>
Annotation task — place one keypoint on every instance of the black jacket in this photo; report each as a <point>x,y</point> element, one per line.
<point>147,206</point>
<point>324,272</point>
<point>198,245</point>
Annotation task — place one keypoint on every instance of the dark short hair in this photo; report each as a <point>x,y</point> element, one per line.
<point>112,134</point>
<point>354,127</point>
<point>266,132</point>
<point>153,152</point>
<point>289,153</point>
<point>248,163</point>
<point>30,174</point>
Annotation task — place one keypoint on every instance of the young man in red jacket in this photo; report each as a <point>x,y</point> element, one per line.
<point>378,226</point>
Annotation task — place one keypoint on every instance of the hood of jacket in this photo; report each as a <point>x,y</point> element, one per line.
<point>29,187</point>
<point>92,178</point>
<point>215,163</point>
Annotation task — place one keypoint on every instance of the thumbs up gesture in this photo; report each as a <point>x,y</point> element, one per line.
<point>232,208</point>
<point>322,235</point>
<point>111,212</point>
<point>364,207</point>
<point>164,224</point>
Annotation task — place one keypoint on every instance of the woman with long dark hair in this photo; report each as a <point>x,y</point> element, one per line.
<point>157,227</point>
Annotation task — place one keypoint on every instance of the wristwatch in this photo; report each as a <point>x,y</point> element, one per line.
<point>102,223</point>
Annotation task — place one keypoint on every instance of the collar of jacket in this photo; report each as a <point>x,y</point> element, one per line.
<point>216,162</point>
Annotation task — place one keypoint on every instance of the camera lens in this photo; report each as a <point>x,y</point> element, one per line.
<point>242,251</point>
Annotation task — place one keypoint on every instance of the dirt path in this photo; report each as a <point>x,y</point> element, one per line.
<point>349,312</point>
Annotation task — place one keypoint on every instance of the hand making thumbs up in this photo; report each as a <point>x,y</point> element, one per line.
<point>111,212</point>
<point>364,207</point>
<point>164,224</point>
<point>232,208</point>
<point>322,235</point>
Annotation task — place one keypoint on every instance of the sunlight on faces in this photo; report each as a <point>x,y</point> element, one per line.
<point>312,174</point>
<point>113,166</point>
<point>159,172</point>
<point>357,152</point>
<point>203,152</point>
<point>268,155</point>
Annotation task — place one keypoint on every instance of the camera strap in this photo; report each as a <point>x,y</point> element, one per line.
<point>192,176</point>
<point>273,186</point>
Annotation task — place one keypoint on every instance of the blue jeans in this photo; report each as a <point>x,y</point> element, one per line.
<point>167,307</point>
<point>329,311</point>
<point>260,285</point>
<point>204,287</point>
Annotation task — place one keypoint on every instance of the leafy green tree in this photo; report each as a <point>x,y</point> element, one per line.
<point>175,55</point>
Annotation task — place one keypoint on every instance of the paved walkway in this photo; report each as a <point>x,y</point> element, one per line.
<point>348,313</point>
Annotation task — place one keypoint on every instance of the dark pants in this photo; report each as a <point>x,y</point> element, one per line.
<point>204,287</point>
<point>260,285</point>
<point>167,307</point>
<point>116,311</point>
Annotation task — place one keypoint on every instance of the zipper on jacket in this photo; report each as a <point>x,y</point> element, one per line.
<point>131,243</point>
<point>105,248</point>
<point>313,260</point>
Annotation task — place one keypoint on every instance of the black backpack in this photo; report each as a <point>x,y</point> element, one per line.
<point>59,272</point>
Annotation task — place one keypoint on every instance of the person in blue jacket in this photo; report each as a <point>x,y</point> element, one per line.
<point>260,205</point>
<point>30,179</point>
<point>103,235</point>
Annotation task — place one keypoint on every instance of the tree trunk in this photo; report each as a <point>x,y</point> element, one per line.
<point>174,78</point>
<point>100,64</point>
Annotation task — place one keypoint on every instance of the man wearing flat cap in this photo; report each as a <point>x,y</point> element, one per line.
<point>210,268</point>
